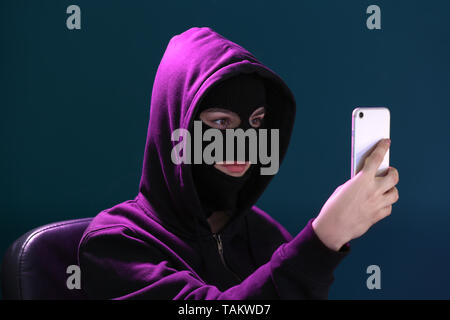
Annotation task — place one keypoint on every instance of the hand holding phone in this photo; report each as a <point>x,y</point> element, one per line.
<point>359,203</point>
<point>367,197</point>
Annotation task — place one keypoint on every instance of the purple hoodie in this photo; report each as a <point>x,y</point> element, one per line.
<point>159,245</point>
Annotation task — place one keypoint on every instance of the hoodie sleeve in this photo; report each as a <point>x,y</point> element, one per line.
<point>116,264</point>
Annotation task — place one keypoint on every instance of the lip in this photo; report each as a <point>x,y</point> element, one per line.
<point>235,167</point>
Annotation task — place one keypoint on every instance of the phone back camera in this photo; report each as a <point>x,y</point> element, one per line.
<point>361,114</point>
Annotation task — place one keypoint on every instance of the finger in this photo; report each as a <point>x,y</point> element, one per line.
<point>374,160</point>
<point>390,196</point>
<point>388,181</point>
<point>337,189</point>
<point>382,213</point>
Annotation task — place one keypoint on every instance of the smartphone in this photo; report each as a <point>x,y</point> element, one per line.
<point>369,125</point>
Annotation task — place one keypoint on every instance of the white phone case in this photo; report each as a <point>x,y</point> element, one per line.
<point>367,130</point>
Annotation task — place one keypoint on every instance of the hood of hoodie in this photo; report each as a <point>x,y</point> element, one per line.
<point>193,63</point>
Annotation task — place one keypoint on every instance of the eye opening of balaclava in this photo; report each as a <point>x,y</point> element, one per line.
<point>242,94</point>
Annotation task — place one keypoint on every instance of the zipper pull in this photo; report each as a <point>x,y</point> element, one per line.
<point>218,239</point>
<point>219,242</point>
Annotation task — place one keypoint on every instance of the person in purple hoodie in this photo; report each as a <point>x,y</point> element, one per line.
<point>193,231</point>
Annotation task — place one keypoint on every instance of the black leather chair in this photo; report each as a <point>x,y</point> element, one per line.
<point>35,265</point>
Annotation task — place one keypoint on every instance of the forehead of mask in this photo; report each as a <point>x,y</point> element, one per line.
<point>241,94</point>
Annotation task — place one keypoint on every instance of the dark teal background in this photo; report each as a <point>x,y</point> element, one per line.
<point>75,106</point>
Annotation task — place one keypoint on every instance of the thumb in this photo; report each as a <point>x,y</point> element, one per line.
<point>374,160</point>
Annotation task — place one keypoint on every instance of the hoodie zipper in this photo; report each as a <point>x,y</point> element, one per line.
<point>218,239</point>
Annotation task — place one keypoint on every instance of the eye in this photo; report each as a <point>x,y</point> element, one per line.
<point>222,123</point>
<point>257,122</point>
<point>220,118</point>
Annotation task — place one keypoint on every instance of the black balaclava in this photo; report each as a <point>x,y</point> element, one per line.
<point>242,94</point>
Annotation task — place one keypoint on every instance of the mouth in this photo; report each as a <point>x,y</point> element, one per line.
<point>235,167</point>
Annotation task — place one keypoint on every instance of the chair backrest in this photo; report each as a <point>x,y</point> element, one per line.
<point>36,265</point>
